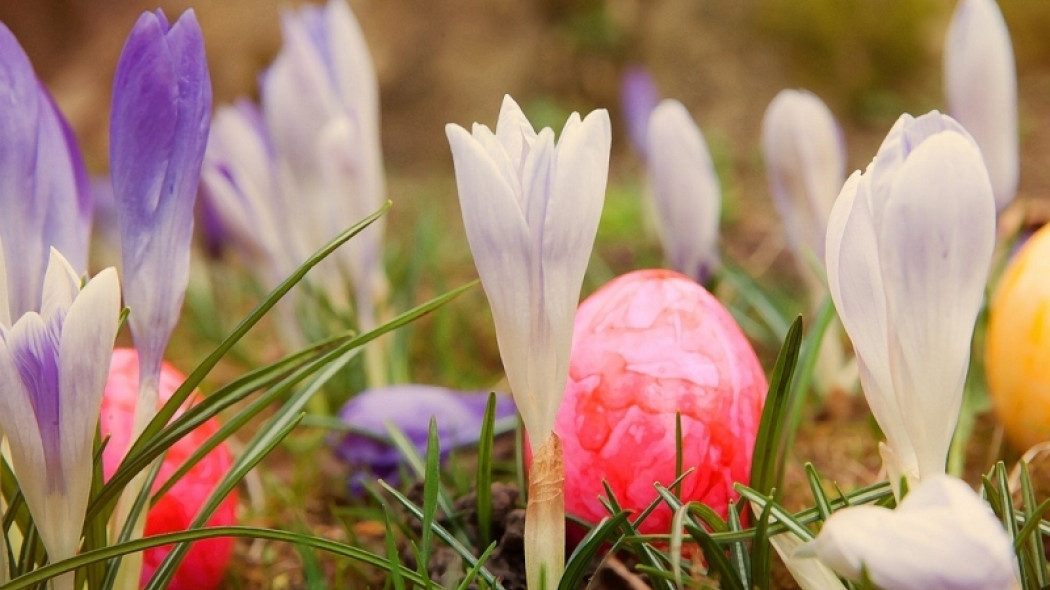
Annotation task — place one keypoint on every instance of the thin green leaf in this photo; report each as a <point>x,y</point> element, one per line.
<point>764,459</point>
<point>738,557</point>
<point>396,578</point>
<point>431,486</point>
<point>761,556</point>
<point>809,355</point>
<point>441,533</point>
<point>180,538</point>
<point>198,374</point>
<point>483,478</point>
<point>576,568</point>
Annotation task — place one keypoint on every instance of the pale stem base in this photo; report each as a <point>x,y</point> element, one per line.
<point>545,517</point>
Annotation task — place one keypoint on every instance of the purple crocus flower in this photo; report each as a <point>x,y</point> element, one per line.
<point>53,370</point>
<point>409,408</point>
<point>158,130</point>
<point>639,97</point>
<point>44,192</point>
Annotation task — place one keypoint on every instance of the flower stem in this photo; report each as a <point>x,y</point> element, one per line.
<point>545,517</point>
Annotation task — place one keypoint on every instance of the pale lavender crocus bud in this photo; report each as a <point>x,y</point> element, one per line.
<point>805,157</point>
<point>239,184</point>
<point>158,129</point>
<point>531,208</point>
<point>942,535</point>
<point>409,408</point>
<point>320,101</point>
<point>44,191</point>
<point>686,191</point>
<point>909,247</point>
<point>53,370</point>
<point>980,82</point>
<point>638,97</point>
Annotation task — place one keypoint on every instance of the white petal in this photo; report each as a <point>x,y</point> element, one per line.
<point>514,130</point>
<point>805,157</point>
<point>935,247</point>
<point>686,189</point>
<point>810,574</point>
<point>577,194</point>
<point>61,285</point>
<point>855,282</point>
<point>499,242</point>
<point>941,537</point>
<point>981,89</point>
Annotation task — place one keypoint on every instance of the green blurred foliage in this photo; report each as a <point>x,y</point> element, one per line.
<point>860,53</point>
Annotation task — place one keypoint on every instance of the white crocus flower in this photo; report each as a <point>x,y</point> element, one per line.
<point>805,158</point>
<point>909,246</point>
<point>980,82</point>
<point>686,190</point>
<point>531,209</point>
<point>942,536</point>
<point>53,370</point>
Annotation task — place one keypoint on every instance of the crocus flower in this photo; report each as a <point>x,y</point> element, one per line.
<point>409,408</point>
<point>1017,346</point>
<point>942,536</point>
<point>53,367</point>
<point>45,195</point>
<point>648,346</point>
<point>204,566</point>
<point>158,130</point>
<point>805,159</point>
<point>638,97</point>
<point>531,209</point>
<point>909,246</point>
<point>686,191</point>
<point>320,102</point>
<point>239,183</point>
<point>981,89</point>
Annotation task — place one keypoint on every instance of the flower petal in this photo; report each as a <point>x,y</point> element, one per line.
<point>941,536</point>
<point>981,89</point>
<point>686,190</point>
<point>158,130</point>
<point>409,408</point>
<point>805,157</point>
<point>935,257</point>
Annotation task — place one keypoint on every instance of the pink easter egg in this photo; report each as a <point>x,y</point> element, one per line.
<point>647,345</point>
<point>205,563</point>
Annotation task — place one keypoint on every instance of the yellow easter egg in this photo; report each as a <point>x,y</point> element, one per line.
<point>1017,353</point>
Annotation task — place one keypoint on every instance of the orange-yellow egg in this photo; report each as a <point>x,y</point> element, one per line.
<point>1017,353</point>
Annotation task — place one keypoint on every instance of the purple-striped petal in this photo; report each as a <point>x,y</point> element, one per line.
<point>43,191</point>
<point>53,368</point>
<point>158,130</point>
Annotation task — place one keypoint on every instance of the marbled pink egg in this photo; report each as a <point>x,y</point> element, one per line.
<point>645,346</point>
<point>205,565</point>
